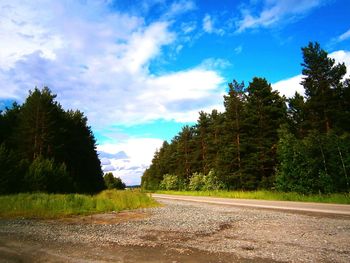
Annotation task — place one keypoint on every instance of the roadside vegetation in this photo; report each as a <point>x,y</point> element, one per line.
<point>267,195</point>
<point>42,205</point>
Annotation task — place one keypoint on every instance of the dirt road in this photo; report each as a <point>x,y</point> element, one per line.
<point>319,208</point>
<point>180,231</point>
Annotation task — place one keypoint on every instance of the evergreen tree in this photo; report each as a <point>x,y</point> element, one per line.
<point>313,153</point>
<point>184,153</point>
<point>44,148</point>
<point>231,159</point>
<point>112,182</point>
<point>201,138</point>
<point>265,112</point>
<point>296,114</point>
<point>323,87</point>
<point>37,125</point>
<point>80,154</point>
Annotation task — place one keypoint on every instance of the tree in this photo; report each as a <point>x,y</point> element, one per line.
<point>230,158</point>
<point>12,170</point>
<point>265,112</point>
<point>312,151</point>
<point>53,148</point>
<point>296,115</point>
<point>45,175</point>
<point>112,182</point>
<point>79,154</point>
<point>202,139</point>
<point>323,84</point>
<point>37,124</point>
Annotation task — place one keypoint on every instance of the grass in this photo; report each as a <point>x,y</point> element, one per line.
<point>268,195</point>
<point>41,205</point>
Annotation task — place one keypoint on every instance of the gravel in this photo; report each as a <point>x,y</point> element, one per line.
<point>250,234</point>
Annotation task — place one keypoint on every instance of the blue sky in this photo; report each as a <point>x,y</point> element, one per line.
<point>140,70</point>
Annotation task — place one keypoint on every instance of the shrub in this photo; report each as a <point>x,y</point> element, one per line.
<point>197,182</point>
<point>212,182</point>
<point>169,182</point>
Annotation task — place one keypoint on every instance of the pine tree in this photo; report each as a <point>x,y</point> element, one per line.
<point>265,112</point>
<point>323,85</point>
<point>231,157</point>
<point>37,125</point>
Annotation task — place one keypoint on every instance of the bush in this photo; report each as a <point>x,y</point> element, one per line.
<point>197,182</point>
<point>169,182</point>
<point>212,182</point>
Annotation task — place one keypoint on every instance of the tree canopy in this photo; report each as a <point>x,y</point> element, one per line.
<point>264,141</point>
<point>45,148</point>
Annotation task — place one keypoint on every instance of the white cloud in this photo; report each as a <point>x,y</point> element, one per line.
<point>100,63</point>
<point>341,56</point>
<point>238,49</point>
<point>208,26</point>
<point>139,151</point>
<point>344,36</point>
<point>145,45</point>
<point>179,7</point>
<point>188,27</point>
<point>289,86</point>
<point>273,12</point>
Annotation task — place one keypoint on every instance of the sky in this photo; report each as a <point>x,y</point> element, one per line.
<point>140,70</point>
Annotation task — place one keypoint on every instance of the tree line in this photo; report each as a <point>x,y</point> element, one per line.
<point>45,148</point>
<point>263,140</point>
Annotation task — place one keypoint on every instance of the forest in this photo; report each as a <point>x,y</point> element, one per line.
<point>265,141</point>
<point>44,148</point>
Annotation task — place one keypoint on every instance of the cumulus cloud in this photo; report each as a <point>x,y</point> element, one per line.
<point>138,155</point>
<point>98,62</point>
<point>289,86</point>
<point>273,12</point>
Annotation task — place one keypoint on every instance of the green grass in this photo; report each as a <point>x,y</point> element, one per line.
<point>41,205</point>
<point>268,195</point>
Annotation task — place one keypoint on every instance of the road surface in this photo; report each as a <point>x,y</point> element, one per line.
<point>319,208</point>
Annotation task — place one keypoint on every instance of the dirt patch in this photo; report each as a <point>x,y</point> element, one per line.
<point>12,251</point>
<point>104,218</point>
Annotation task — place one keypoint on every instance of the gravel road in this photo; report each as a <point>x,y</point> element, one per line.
<point>179,231</point>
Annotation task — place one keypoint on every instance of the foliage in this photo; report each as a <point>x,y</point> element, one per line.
<point>263,141</point>
<point>170,182</point>
<point>196,182</point>
<point>46,176</point>
<point>113,182</point>
<point>319,163</point>
<point>40,205</point>
<point>44,148</point>
<point>212,182</point>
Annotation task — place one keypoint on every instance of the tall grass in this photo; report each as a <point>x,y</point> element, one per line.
<point>268,195</point>
<point>41,205</point>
